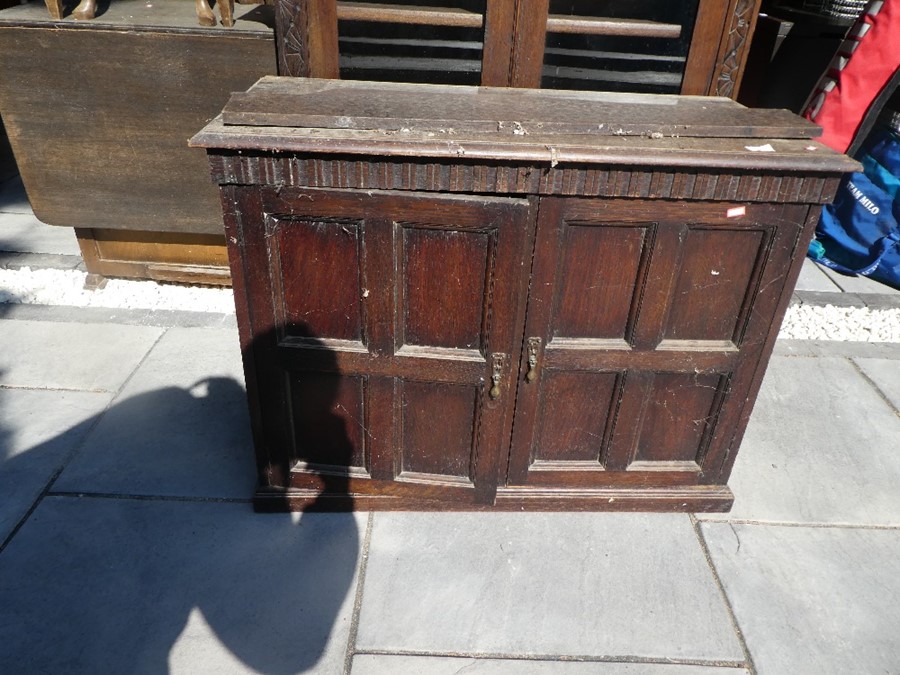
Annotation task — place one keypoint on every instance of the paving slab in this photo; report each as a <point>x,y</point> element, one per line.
<point>881,301</point>
<point>372,664</point>
<point>179,428</point>
<point>163,318</point>
<point>812,600</point>
<point>23,232</point>
<point>139,586</point>
<point>885,373</point>
<point>821,447</point>
<point>859,284</point>
<point>870,350</point>
<point>812,278</point>
<point>14,260</point>
<point>819,299</point>
<point>38,431</point>
<point>548,584</point>
<point>90,357</point>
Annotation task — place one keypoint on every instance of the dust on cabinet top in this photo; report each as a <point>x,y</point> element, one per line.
<point>286,114</point>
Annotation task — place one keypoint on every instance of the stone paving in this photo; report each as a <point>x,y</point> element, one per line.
<point>128,543</point>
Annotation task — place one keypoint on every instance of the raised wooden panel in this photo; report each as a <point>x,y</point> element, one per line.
<point>680,410</point>
<point>445,274</point>
<point>597,279</point>
<point>317,276</point>
<point>438,423</point>
<point>328,413</point>
<point>573,412</point>
<point>716,274</point>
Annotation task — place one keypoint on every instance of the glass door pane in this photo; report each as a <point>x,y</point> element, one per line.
<point>412,41</point>
<point>618,45</point>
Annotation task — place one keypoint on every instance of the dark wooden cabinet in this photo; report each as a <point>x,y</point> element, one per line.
<point>553,319</point>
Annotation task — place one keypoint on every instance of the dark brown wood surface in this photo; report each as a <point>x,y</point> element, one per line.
<point>529,37</point>
<point>163,256</point>
<point>720,43</point>
<point>414,300</point>
<point>406,14</point>
<point>636,398</point>
<point>644,172</point>
<point>289,102</point>
<point>589,336</point>
<point>624,297</point>
<point>613,166</point>
<point>104,146</point>
<point>498,44</point>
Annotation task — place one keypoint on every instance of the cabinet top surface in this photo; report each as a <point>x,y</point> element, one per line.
<point>454,122</point>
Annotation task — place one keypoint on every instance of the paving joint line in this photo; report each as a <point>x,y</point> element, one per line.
<point>148,318</point>
<point>789,523</point>
<point>357,600</point>
<point>61,389</point>
<point>148,498</point>
<point>575,658</point>
<point>748,657</point>
<point>48,486</point>
<point>874,385</point>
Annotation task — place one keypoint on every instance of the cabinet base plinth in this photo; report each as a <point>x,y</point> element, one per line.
<point>706,498</point>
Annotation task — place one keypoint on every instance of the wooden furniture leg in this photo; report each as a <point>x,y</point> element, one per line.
<point>55,8</point>
<point>86,10</point>
<point>205,16</point>
<point>226,11</point>
<point>95,282</point>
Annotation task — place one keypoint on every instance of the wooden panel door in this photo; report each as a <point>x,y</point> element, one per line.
<point>391,325</point>
<point>646,323</point>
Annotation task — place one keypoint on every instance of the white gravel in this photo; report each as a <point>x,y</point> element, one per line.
<point>845,324</point>
<point>66,287</point>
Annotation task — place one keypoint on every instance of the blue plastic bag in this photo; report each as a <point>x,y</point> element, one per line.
<point>860,232</point>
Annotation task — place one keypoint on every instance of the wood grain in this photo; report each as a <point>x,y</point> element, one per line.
<point>69,132</point>
<point>291,102</point>
<point>404,14</point>
<point>162,256</point>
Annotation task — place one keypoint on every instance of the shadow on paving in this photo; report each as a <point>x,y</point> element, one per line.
<point>5,432</point>
<point>107,583</point>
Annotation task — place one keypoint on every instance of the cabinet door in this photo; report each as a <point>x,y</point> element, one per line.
<point>386,333</point>
<point>646,323</point>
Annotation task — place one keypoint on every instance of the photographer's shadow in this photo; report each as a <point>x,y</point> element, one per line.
<point>152,584</point>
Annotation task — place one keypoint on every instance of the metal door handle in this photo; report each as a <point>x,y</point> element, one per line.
<point>534,345</point>
<point>496,374</point>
